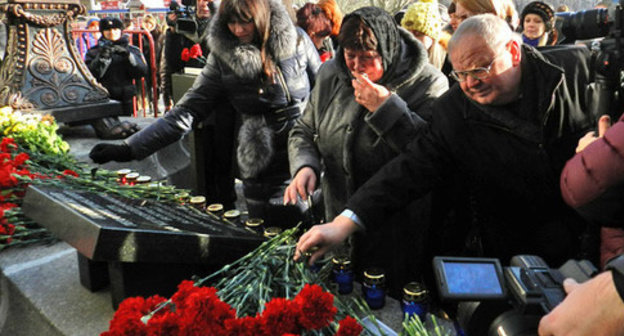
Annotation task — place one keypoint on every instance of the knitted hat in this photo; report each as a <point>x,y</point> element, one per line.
<point>110,23</point>
<point>91,20</point>
<point>423,16</point>
<point>543,10</point>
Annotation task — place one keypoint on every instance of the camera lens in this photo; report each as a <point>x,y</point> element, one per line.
<point>586,24</point>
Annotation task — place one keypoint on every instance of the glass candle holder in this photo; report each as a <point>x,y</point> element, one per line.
<point>215,209</point>
<point>272,232</point>
<point>121,175</point>
<point>143,179</point>
<point>373,288</point>
<point>131,178</point>
<point>414,300</point>
<point>256,225</point>
<point>307,255</point>
<point>198,202</point>
<point>182,197</point>
<point>342,274</point>
<point>232,216</point>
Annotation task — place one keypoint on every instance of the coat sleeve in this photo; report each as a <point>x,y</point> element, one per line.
<point>398,121</point>
<point>197,104</point>
<point>138,66</point>
<point>311,56</point>
<point>302,150</point>
<point>96,64</point>
<point>409,176</point>
<point>595,169</point>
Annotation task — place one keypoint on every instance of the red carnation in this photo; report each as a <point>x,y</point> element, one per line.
<point>196,51</point>
<point>127,318</point>
<point>7,180</point>
<point>280,316</point>
<point>7,145</point>
<point>69,172</point>
<point>244,326</point>
<point>325,56</point>
<point>205,311</point>
<point>186,55</point>
<point>185,288</point>
<point>164,324</point>
<point>317,307</point>
<point>349,327</point>
<point>20,159</point>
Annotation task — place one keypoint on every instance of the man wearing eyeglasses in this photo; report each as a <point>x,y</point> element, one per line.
<point>506,130</point>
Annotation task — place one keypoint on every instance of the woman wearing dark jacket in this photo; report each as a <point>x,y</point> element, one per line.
<point>263,67</point>
<point>369,102</point>
<point>115,63</point>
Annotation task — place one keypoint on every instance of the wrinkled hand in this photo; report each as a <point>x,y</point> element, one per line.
<point>325,237</point>
<point>103,152</point>
<point>367,93</point>
<point>303,185</point>
<point>603,125</point>
<point>591,308</point>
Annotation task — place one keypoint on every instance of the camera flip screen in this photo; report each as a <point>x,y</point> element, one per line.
<point>469,278</point>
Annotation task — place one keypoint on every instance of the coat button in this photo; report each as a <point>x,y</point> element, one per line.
<point>349,129</point>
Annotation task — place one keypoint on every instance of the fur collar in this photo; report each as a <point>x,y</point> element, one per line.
<point>244,59</point>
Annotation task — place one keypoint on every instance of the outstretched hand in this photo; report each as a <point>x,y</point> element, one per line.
<point>103,152</point>
<point>368,94</point>
<point>325,237</point>
<point>302,184</point>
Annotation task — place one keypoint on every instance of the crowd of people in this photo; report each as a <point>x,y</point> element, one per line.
<point>463,131</point>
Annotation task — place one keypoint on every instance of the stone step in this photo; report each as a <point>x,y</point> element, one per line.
<point>40,294</point>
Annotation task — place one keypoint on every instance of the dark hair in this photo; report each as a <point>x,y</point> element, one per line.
<point>258,12</point>
<point>356,35</point>
<point>451,8</point>
<point>313,20</point>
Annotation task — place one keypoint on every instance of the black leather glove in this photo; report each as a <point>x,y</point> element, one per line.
<point>106,51</point>
<point>103,152</point>
<point>117,49</point>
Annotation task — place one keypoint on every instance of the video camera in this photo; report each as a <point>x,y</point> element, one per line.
<point>184,12</point>
<point>504,301</point>
<point>608,63</point>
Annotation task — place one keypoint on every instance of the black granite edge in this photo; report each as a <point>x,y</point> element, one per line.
<point>87,112</point>
<point>44,216</point>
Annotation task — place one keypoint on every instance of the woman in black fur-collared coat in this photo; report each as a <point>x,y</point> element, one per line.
<point>255,53</point>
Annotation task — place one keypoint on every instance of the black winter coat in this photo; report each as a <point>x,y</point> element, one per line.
<point>115,64</point>
<point>232,75</point>
<point>349,144</point>
<point>510,156</point>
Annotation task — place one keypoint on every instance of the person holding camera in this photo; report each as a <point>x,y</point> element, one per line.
<point>115,63</point>
<point>506,130</point>
<point>593,183</point>
<point>185,28</point>
<point>263,68</point>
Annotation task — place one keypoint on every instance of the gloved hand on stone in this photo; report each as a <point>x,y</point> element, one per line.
<point>104,152</point>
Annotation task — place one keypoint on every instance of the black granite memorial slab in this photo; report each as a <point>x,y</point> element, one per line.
<point>110,228</point>
<point>145,247</point>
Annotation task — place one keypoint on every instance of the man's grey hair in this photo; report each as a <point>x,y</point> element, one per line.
<point>494,31</point>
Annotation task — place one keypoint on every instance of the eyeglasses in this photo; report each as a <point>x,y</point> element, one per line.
<point>476,73</point>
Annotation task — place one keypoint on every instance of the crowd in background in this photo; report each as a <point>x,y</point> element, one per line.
<point>452,123</point>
